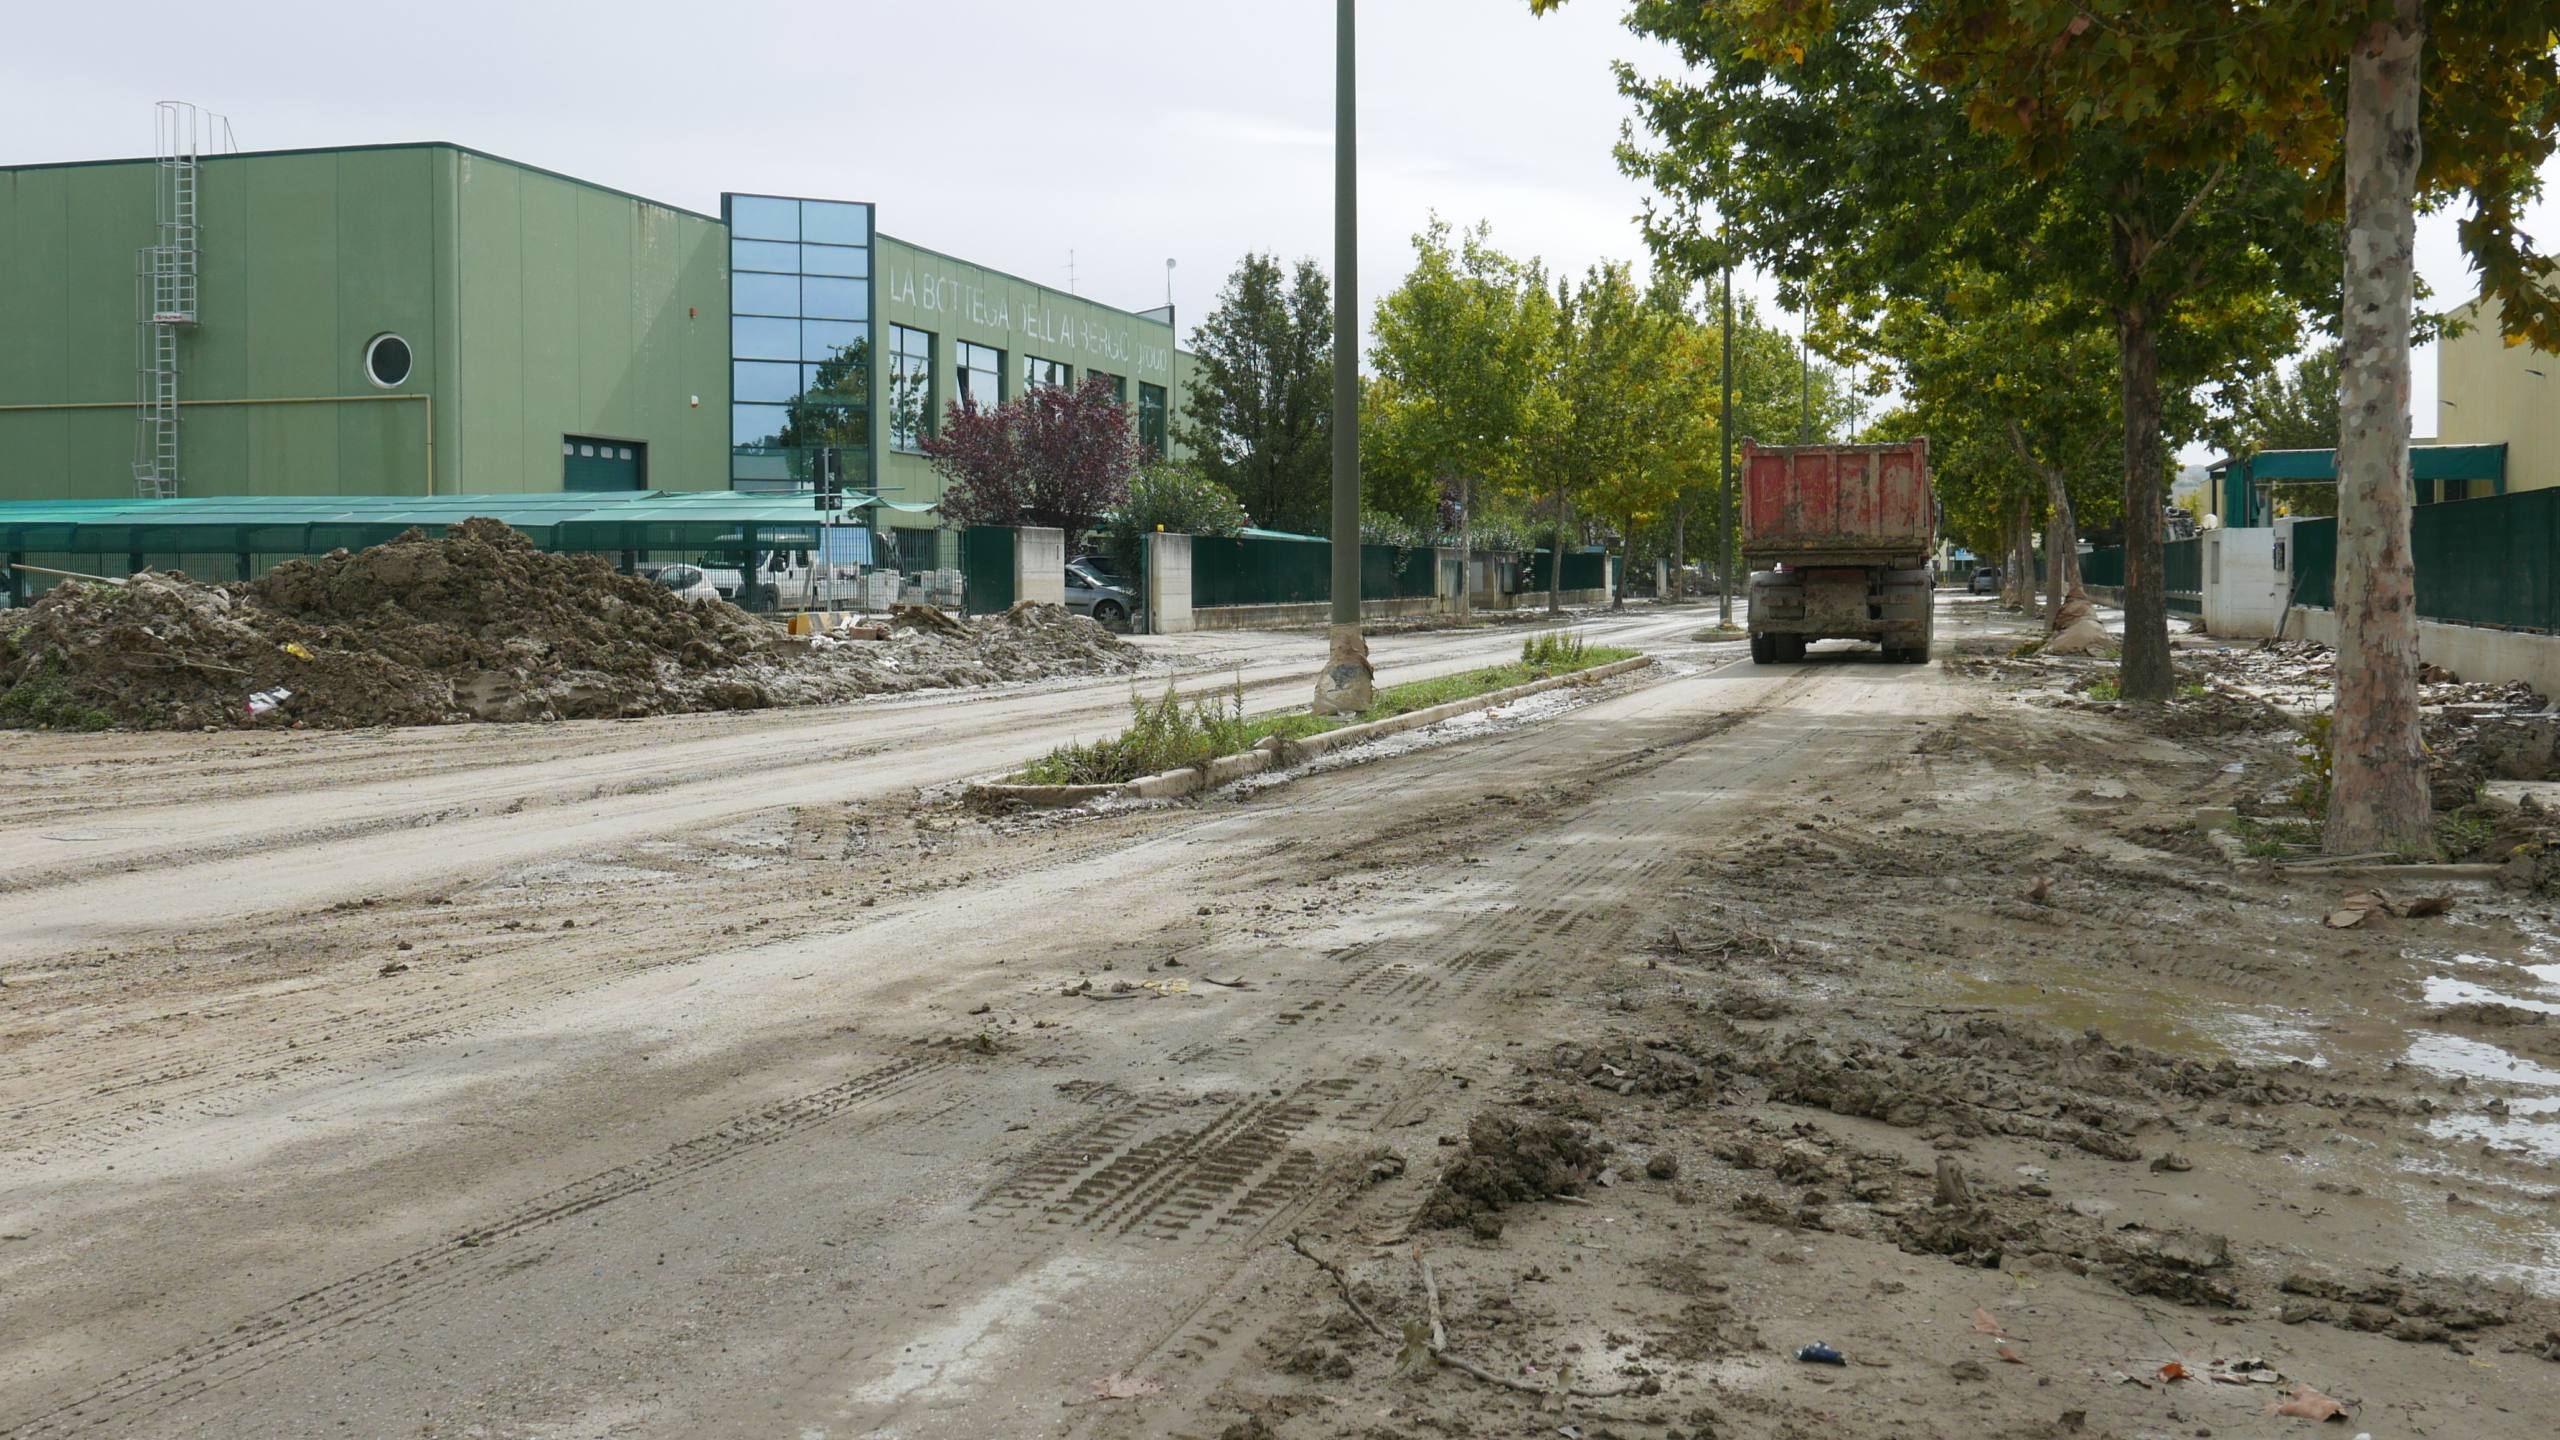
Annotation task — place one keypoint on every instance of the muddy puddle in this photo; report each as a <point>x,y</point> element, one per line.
<point>2173,1020</point>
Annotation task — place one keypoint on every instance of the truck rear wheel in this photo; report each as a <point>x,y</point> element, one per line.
<point>1764,649</point>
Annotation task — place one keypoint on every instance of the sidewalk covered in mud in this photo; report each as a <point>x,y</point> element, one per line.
<point>240,537</point>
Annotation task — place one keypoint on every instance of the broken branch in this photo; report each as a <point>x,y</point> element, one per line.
<point>1439,1352</point>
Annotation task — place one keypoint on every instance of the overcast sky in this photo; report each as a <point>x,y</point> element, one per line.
<point>1007,132</point>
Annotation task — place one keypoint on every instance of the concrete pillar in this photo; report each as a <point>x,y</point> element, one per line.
<point>1168,578</point>
<point>1040,565</point>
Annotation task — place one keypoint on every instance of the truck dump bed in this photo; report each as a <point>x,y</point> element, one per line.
<point>1837,504</point>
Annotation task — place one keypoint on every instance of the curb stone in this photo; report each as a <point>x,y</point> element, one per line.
<point>1274,752</point>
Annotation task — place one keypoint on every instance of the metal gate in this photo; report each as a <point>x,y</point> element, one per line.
<point>986,568</point>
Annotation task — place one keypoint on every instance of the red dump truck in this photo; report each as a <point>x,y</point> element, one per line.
<point>1838,538</point>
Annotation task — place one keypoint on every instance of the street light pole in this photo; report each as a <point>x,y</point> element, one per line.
<point>1345,686</point>
<point>1724,501</point>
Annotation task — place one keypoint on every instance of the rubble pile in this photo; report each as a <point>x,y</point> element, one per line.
<point>476,624</point>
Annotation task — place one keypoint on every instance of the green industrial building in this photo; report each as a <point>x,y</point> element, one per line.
<point>428,320</point>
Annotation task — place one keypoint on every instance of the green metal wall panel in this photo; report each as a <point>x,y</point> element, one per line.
<point>955,301</point>
<point>533,306</point>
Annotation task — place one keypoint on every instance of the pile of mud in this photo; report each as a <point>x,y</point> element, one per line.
<point>474,625</point>
<point>1510,1162</point>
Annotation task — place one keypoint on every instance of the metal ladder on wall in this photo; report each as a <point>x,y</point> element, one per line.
<point>165,290</point>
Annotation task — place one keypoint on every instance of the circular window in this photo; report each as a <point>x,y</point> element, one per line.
<point>386,360</point>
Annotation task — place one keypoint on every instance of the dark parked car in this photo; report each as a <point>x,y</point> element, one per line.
<point>1985,581</point>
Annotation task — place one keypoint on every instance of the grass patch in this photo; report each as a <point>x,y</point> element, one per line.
<point>2106,687</point>
<point>1169,733</point>
<point>42,699</point>
<point>2266,839</point>
<point>2311,759</point>
<point>2460,837</point>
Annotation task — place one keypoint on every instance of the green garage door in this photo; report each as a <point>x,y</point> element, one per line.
<point>587,463</point>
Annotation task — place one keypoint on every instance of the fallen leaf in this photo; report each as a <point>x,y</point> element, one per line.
<point>2309,1404</point>
<point>2173,1371</point>
<point>2008,1352</point>
<point>1985,1324</point>
<point>2041,892</point>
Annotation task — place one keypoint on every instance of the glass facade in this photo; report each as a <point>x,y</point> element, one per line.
<point>1037,372</point>
<point>799,340</point>
<point>1151,417</point>
<point>1119,385</point>
<point>981,376</point>
<point>911,407</point>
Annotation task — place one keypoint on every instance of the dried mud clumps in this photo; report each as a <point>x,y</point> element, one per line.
<point>1509,1162</point>
<point>1988,1077</point>
<point>2413,1312</point>
<point>1646,1069</point>
<point>2191,1267</point>
<point>475,624</point>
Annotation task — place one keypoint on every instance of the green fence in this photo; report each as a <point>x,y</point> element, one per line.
<point>2486,562</point>
<point>986,568</point>
<point>1251,570</point>
<point>1583,570</point>
<point>2479,562</point>
<point>2182,568</point>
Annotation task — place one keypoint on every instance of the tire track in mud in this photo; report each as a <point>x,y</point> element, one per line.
<point>1152,1171</point>
<point>124,1098</point>
<point>433,1271</point>
<point>1151,1179</point>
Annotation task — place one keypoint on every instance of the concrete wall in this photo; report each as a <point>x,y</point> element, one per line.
<point>2243,594</point>
<point>2469,651</point>
<point>1293,617</point>
<point>534,307</point>
<point>1168,581</point>
<point>2488,392</point>
<point>1040,565</point>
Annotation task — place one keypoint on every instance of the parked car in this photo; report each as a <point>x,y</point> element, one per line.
<point>1102,567</point>
<point>1090,593</point>
<point>1985,581</point>
<point>687,581</point>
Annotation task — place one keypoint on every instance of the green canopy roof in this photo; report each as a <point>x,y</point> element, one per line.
<point>313,524</point>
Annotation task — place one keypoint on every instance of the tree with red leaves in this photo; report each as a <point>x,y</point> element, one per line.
<point>1052,456</point>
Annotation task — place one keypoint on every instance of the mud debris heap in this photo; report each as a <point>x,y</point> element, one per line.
<point>476,624</point>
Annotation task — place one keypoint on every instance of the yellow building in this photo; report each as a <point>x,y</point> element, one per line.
<point>2490,392</point>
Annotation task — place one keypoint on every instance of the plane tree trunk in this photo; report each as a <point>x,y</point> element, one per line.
<point>2378,776</point>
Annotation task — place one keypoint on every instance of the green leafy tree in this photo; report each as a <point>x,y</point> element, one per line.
<point>1175,497</point>
<point>2333,88</point>
<point>1590,423</point>
<point>1821,141</point>
<point>2279,410</point>
<point>1459,346</point>
<point>1258,410</point>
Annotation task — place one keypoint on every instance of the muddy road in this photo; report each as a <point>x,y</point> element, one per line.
<point>602,1080</point>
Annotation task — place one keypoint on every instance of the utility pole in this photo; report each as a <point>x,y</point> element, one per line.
<point>1724,498</point>
<point>1346,684</point>
<point>1804,427</point>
